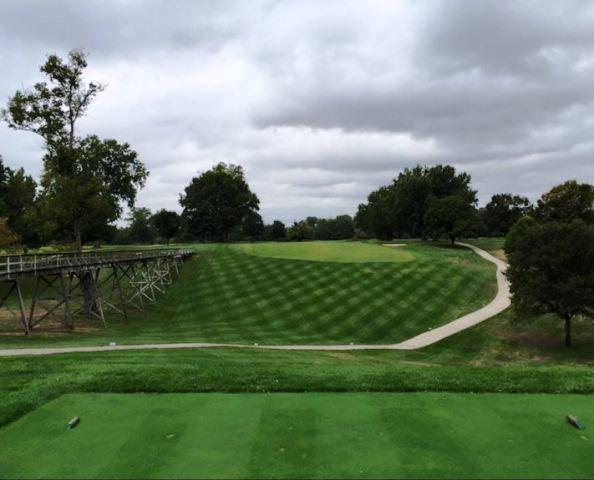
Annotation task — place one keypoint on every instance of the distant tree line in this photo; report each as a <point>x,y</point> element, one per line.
<point>218,206</point>
<point>436,202</point>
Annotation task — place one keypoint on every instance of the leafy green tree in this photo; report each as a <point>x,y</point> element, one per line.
<point>377,216</point>
<point>252,225</point>
<point>450,216</point>
<point>400,208</point>
<point>322,229</point>
<point>300,231</point>
<point>565,202</point>
<point>340,228</point>
<point>141,229</point>
<point>7,237</point>
<point>167,223</point>
<point>343,227</point>
<point>411,189</point>
<point>85,180</point>
<point>278,230</point>
<point>216,202</point>
<point>503,211</point>
<point>17,202</point>
<point>105,176</point>
<point>551,268</point>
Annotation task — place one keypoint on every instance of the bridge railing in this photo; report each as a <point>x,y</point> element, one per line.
<point>11,265</point>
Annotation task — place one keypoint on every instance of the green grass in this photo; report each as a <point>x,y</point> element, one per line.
<point>28,382</point>
<point>506,354</point>
<point>226,295</point>
<point>325,251</point>
<point>492,245</point>
<point>378,435</point>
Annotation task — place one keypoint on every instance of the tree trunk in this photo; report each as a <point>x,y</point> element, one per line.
<point>453,240</point>
<point>90,294</point>
<point>77,237</point>
<point>568,331</point>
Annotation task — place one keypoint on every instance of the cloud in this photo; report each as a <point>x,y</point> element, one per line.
<point>321,102</point>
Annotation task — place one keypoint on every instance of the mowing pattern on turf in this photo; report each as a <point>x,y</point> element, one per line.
<point>228,296</point>
<point>233,297</point>
<point>345,435</point>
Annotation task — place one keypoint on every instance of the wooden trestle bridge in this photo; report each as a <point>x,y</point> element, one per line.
<point>67,285</point>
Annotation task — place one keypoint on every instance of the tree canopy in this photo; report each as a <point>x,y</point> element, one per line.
<point>551,255</point>
<point>503,211</point>
<point>551,268</point>
<point>565,202</point>
<point>216,202</point>
<point>85,180</point>
<point>167,223</point>
<point>252,226</point>
<point>275,231</point>
<point>17,202</point>
<point>400,209</point>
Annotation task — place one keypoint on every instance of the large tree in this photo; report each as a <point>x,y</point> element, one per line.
<point>450,216</point>
<point>551,268</point>
<point>400,209</point>
<point>17,202</point>
<point>565,202</point>
<point>216,202</point>
<point>341,227</point>
<point>252,226</point>
<point>167,223</point>
<point>85,180</point>
<point>141,229</point>
<point>377,216</point>
<point>503,211</point>
<point>300,231</point>
<point>278,231</point>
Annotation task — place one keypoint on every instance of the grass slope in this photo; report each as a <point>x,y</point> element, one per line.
<point>325,251</point>
<point>301,436</point>
<point>28,382</point>
<point>225,295</point>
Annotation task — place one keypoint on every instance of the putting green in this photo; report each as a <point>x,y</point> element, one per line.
<point>327,251</point>
<point>327,435</point>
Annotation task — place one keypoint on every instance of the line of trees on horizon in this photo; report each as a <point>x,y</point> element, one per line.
<point>87,182</point>
<point>436,202</point>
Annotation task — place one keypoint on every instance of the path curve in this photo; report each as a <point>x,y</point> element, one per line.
<point>496,306</point>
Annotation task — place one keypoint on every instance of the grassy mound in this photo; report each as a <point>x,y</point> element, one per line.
<point>229,296</point>
<point>346,252</point>
<point>301,436</point>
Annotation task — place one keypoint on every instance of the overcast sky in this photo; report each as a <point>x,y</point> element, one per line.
<point>322,101</point>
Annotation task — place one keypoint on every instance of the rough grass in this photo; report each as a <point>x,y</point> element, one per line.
<point>414,435</point>
<point>225,295</point>
<point>492,245</point>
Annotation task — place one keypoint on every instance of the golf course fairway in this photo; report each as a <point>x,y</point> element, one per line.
<point>282,435</point>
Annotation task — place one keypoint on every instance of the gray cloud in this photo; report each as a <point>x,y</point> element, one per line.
<point>322,101</point>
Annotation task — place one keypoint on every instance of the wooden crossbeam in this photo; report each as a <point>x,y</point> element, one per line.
<point>13,288</point>
<point>45,285</point>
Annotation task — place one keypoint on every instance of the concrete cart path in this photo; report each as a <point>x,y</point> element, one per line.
<point>497,305</point>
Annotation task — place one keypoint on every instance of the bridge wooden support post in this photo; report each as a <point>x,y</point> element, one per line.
<point>133,292</point>
<point>12,288</point>
<point>112,294</point>
<point>162,272</point>
<point>174,262</point>
<point>84,286</point>
<point>50,293</point>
